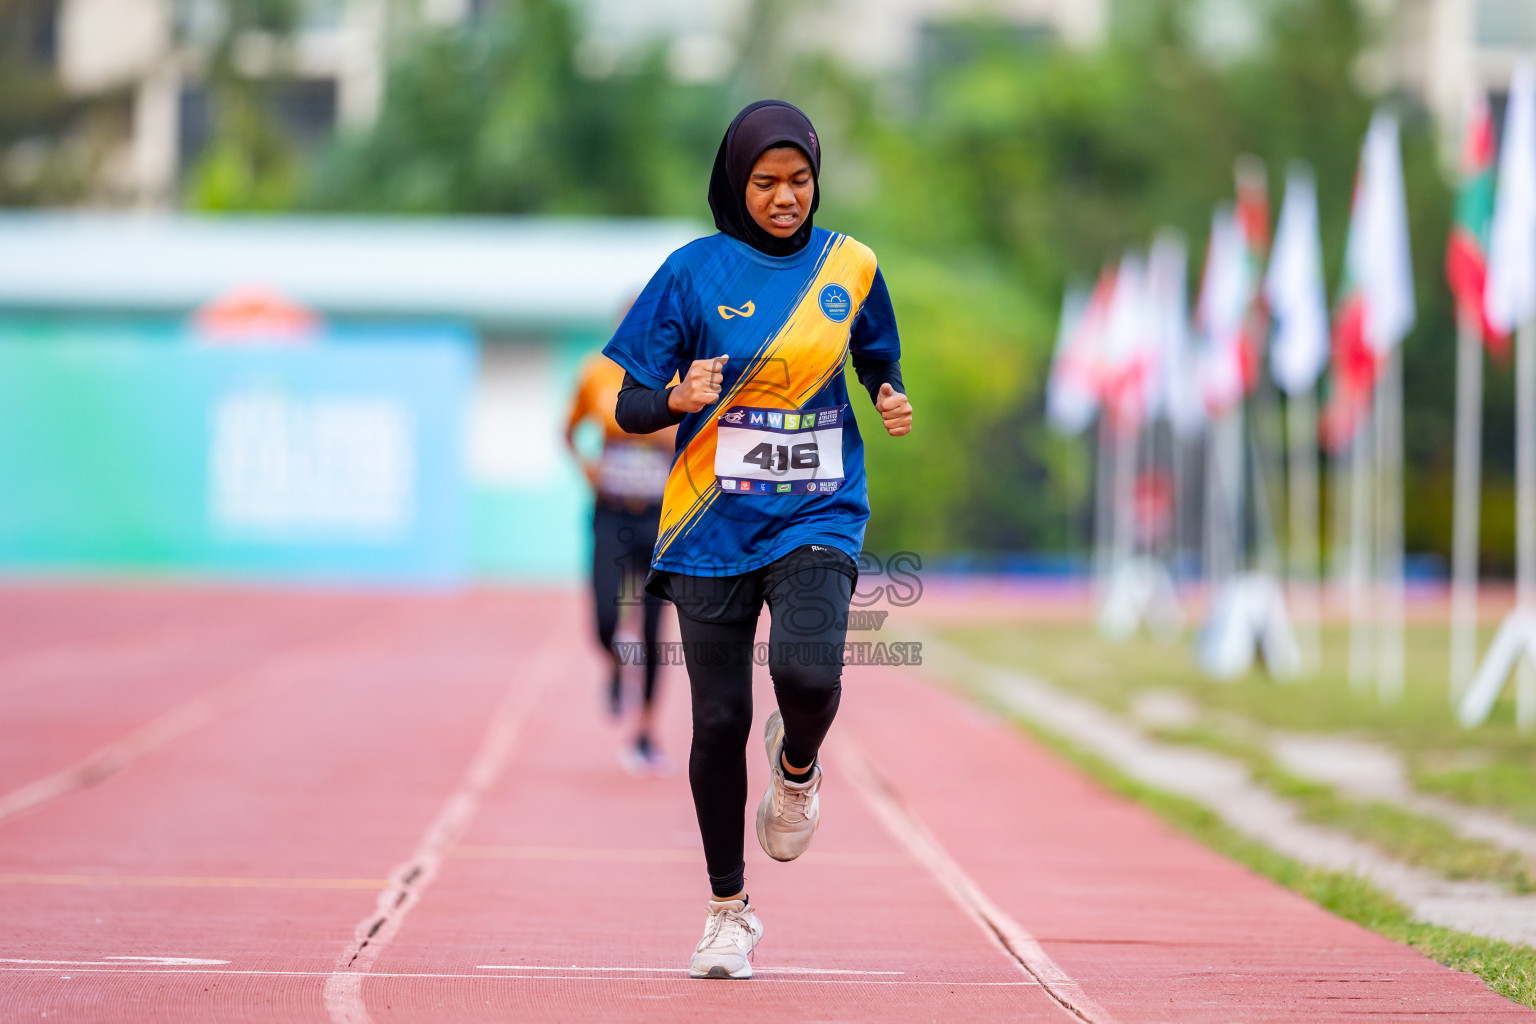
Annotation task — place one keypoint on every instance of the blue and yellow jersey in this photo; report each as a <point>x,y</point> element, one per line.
<point>788,325</point>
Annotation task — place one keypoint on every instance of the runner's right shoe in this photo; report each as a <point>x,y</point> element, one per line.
<point>790,811</point>
<point>731,932</point>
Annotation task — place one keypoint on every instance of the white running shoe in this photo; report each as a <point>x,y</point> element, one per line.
<point>731,932</point>
<point>790,811</point>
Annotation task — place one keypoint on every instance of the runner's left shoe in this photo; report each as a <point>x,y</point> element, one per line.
<point>790,811</point>
<point>731,932</point>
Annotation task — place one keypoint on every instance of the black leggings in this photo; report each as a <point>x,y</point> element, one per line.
<point>807,592</point>
<point>621,548</point>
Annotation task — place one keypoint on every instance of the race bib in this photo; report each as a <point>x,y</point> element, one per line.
<point>631,470</point>
<point>771,451</point>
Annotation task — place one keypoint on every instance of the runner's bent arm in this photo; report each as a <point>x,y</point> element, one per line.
<point>876,348</point>
<point>874,372</point>
<point>643,410</point>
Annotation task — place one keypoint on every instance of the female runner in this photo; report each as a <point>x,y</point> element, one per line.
<point>765,501</point>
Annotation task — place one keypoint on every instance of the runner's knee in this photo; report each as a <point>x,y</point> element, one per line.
<point>722,722</point>
<point>806,676</point>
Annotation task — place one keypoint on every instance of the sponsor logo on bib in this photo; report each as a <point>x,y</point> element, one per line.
<point>835,303</point>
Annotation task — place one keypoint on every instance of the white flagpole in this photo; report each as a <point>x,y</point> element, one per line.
<point>1213,521</point>
<point>1339,506</point>
<point>1511,302</point>
<point>1127,443</point>
<point>1231,479</point>
<point>1361,474</point>
<point>1268,477</point>
<point>1389,529</point>
<point>1301,447</point>
<point>1525,515</point>
<point>1464,546</point>
<point>1514,645</point>
<point>1103,511</point>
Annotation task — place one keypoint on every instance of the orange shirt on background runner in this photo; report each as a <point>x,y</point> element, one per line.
<point>629,461</point>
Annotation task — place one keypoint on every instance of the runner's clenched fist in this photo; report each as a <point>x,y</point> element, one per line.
<point>700,387</point>
<point>895,411</point>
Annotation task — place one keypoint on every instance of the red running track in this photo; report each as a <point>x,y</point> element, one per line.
<point>248,806</point>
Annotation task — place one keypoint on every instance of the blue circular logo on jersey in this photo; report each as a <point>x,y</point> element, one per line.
<point>835,303</point>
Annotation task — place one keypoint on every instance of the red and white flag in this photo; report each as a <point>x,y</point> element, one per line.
<point>1129,368</point>
<point>1377,308</point>
<point>1175,395</point>
<point>1075,388</point>
<point>1466,251</point>
<point>1221,313</point>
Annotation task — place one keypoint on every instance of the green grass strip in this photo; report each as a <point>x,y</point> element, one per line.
<point>1505,967</point>
<point>1404,835</point>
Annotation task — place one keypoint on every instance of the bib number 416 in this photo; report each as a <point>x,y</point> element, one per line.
<point>798,456</point>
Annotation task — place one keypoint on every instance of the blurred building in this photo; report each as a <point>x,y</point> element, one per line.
<point>1435,51</point>
<point>325,68</point>
<point>705,38</point>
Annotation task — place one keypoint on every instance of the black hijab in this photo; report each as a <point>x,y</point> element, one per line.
<point>758,128</point>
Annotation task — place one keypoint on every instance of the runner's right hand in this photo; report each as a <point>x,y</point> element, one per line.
<point>699,387</point>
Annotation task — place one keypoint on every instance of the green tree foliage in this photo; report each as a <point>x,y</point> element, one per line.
<point>1000,168</point>
<point>494,118</point>
<point>249,163</point>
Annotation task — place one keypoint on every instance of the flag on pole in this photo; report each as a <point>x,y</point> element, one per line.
<point>1071,393</point>
<point>1466,254</point>
<point>1253,227</point>
<point>1377,308</point>
<point>1511,296</point>
<point>1177,399</point>
<point>1226,289</point>
<point>1129,370</point>
<point>1294,288</point>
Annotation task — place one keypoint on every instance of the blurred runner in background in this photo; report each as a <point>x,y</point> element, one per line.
<point>628,479</point>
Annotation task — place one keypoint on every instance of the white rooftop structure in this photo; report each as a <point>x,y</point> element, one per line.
<point>500,272</point>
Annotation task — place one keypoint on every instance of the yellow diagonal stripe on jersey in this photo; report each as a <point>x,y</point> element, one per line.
<point>794,365</point>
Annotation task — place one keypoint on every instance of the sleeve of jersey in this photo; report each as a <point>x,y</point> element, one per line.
<point>653,337</point>
<point>874,332</point>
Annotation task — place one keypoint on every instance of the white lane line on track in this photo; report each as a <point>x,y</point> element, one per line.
<point>124,961</point>
<point>673,970</point>
<point>903,823</point>
<point>193,882</point>
<point>675,975</point>
<point>190,715</point>
<point>344,987</point>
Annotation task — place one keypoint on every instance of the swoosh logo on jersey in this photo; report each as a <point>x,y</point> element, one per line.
<point>727,312</point>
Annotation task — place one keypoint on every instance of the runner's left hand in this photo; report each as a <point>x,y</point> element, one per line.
<point>895,411</point>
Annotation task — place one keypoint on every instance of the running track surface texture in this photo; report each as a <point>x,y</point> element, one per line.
<point>229,805</point>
